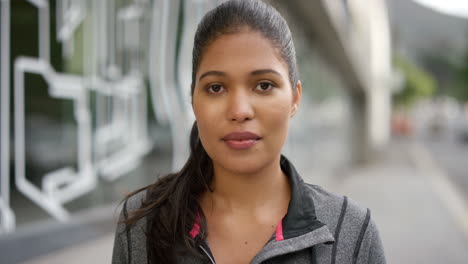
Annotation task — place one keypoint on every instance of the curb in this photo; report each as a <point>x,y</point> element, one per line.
<point>443,187</point>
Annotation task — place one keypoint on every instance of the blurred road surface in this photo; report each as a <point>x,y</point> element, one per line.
<point>452,155</point>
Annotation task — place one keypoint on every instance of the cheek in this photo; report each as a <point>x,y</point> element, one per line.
<point>277,119</point>
<point>281,118</point>
<point>207,117</point>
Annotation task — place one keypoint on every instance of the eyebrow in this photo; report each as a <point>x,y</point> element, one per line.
<point>215,73</point>
<point>220,73</point>
<point>265,71</point>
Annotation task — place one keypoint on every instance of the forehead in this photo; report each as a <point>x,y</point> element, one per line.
<point>242,52</point>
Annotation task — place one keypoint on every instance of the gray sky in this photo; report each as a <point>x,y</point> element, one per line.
<point>451,7</point>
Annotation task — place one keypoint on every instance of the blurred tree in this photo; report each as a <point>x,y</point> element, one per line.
<point>452,75</point>
<point>460,89</point>
<point>443,69</point>
<point>418,83</point>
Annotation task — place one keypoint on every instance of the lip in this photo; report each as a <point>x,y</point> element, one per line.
<point>241,140</point>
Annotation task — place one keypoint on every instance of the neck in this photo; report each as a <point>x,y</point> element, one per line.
<point>248,192</point>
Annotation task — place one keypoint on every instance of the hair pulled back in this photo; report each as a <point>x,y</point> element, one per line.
<point>171,203</point>
<point>237,15</point>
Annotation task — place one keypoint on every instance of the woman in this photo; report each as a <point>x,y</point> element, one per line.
<point>237,199</point>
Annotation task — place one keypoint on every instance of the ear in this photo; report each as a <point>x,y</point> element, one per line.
<point>297,96</point>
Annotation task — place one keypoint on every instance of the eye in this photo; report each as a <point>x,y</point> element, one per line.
<point>264,86</point>
<point>215,88</point>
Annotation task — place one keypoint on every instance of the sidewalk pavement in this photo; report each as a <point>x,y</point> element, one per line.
<point>96,251</point>
<point>420,216</point>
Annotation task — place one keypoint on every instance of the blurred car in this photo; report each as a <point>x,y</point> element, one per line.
<point>462,130</point>
<point>462,125</point>
<point>402,125</point>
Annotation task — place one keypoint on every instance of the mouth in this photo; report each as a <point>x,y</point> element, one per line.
<point>241,140</point>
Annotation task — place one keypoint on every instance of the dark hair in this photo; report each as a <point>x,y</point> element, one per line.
<point>171,204</point>
<point>236,15</point>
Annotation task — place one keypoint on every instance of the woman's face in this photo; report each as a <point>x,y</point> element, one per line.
<point>243,101</point>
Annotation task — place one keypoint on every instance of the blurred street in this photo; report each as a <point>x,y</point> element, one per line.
<point>412,206</point>
<point>416,223</point>
<point>451,154</point>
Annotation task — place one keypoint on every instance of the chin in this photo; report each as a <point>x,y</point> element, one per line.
<point>244,163</point>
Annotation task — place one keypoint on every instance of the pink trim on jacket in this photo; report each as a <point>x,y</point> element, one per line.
<point>196,227</point>
<point>279,231</point>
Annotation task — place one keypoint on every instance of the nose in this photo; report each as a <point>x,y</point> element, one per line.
<point>240,107</point>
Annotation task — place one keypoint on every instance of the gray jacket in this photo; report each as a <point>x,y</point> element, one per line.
<point>319,227</point>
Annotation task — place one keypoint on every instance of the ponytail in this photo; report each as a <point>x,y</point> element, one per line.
<point>171,205</point>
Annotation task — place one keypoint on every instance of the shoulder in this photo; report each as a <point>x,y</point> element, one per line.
<point>330,207</point>
<point>130,240</point>
<point>134,202</point>
<point>129,205</point>
<point>350,223</point>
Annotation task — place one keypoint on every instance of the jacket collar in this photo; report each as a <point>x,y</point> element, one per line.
<point>300,218</point>
<point>300,228</point>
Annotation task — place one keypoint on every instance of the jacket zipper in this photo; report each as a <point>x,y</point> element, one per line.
<point>207,254</point>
